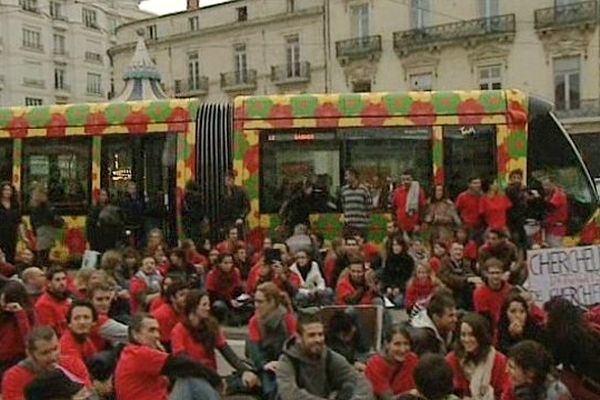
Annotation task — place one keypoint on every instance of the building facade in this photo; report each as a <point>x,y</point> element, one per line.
<point>55,51</point>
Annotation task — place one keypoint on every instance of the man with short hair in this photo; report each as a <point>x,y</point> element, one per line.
<point>408,203</point>
<point>52,306</point>
<point>356,203</point>
<point>356,287</point>
<point>106,332</point>
<point>231,242</point>
<point>433,328</point>
<point>489,298</point>
<point>308,370</point>
<point>145,369</point>
<point>433,379</point>
<point>34,281</point>
<point>170,313</point>
<point>457,275</point>
<point>43,355</point>
<point>76,341</point>
<point>468,206</point>
<point>499,247</point>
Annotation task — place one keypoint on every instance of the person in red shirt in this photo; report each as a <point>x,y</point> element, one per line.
<point>76,341</point>
<point>391,372</point>
<point>493,208</point>
<point>498,246</point>
<point>557,212</point>
<point>144,369</point>
<point>224,285</point>
<point>199,335</point>
<point>408,216</point>
<point>16,321</point>
<point>193,257</point>
<point>489,298</point>
<point>273,269</point>
<point>357,287</point>
<point>106,332</point>
<point>145,285</point>
<point>43,355</point>
<point>231,243</point>
<point>171,313</point>
<point>420,287</point>
<point>468,206</point>
<point>52,307</point>
<point>34,281</point>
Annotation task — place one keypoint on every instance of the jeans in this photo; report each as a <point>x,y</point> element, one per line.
<point>193,389</point>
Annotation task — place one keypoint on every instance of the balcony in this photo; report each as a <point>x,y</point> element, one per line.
<point>467,33</point>
<point>366,47</point>
<point>289,74</point>
<point>190,88</point>
<point>93,57</point>
<point>60,53</point>
<point>239,81</point>
<point>34,83</point>
<point>60,22</point>
<point>589,108</point>
<point>577,15</point>
<point>33,47</point>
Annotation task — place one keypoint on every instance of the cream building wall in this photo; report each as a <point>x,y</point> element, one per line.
<point>28,71</point>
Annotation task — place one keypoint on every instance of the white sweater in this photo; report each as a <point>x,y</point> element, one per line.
<point>314,279</point>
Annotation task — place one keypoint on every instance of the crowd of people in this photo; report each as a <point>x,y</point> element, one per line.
<point>146,320</point>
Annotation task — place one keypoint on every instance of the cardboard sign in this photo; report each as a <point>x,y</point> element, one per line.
<point>572,273</point>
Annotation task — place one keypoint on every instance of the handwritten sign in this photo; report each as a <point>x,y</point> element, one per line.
<point>572,273</point>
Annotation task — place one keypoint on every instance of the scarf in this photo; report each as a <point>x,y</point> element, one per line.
<point>412,199</point>
<point>480,377</point>
<point>273,333</point>
<point>152,281</point>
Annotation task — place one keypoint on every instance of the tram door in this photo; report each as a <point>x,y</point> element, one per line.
<point>150,162</point>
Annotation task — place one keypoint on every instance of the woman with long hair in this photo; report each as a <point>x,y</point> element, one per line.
<point>479,370</point>
<point>16,320</point>
<point>420,286</point>
<point>199,335</point>
<point>494,206</point>
<point>441,215</point>
<point>10,221</point>
<point>398,269</point>
<point>516,323</point>
<point>224,285</point>
<point>45,223</point>
<point>391,372</point>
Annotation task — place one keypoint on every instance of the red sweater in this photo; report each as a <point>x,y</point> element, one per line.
<point>52,312</point>
<point>167,319</point>
<point>13,333</point>
<point>17,378</point>
<point>467,205</point>
<point>488,301</point>
<point>183,343</point>
<point>493,210</point>
<point>417,291</point>
<point>407,222</point>
<point>345,289</point>
<point>224,286</point>
<point>498,379</point>
<point>254,334</point>
<point>69,346</point>
<point>389,378</point>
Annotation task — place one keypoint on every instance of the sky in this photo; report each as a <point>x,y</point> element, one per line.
<point>171,6</point>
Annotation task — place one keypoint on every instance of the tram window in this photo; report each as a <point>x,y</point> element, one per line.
<point>117,164</point>
<point>551,152</point>
<point>5,160</point>
<point>469,151</point>
<point>63,167</point>
<point>381,155</point>
<point>291,159</point>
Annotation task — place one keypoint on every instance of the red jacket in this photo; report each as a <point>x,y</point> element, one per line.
<point>224,286</point>
<point>17,378</point>
<point>227,246</point>
<point>345,289</point>
<point>488,301</point>
<point>69,346</point>
<point>388,378</point>
<point>493,210</point>
<point>52,312</point>
<point>407,222</point>
<point>167,319</point>
<point>417,291</point>
<point>13,333</point>
<point>467,205</point>
<point>498,379</point>
<point>254,279</point>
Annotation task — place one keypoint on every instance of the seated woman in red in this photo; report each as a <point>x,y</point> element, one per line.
<point>391,373</point>
<point>479,370</point>
<point>200,334</point>
<point>76,341</point>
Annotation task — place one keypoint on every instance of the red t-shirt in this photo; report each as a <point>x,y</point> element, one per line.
<point>136,286</point>
<point>345,289</point>
<point>254,331</point>
<point>167,319</point>
<point>157,303</point>
<point>224,286</point>
<point>557,216</point>
<point>467,205</point>
<point>418,291</point>
<point>370,251</point>
<point>493,210</point>
<point>471,250</point>
<point>52,313</point>
<point>407,222</point>
<point>139,374</point>
<point>183,342</point>
<point>488,301</point>
<point>12,333</point>
<point>69,346</point>
<point>17,378</point>
<point>387,378</point>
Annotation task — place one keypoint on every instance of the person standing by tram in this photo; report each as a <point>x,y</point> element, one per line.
<point>10,221</point>
<point>236,205</point>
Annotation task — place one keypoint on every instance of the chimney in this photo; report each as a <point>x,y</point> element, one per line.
<point>193,4</point>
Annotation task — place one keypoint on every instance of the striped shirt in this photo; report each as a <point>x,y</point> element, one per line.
<point>356,204</point>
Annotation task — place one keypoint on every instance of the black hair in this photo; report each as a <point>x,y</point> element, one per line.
<point>176,286</point>
<point>440,301</point>
<point>307,317</point>
<point>397,329</point>
<point>136,324</point>
<point>42,332</point>
<point>433,377</point>
<point>82,303</point>
<point>353,171</point>
<point>53,270</point>
<point>533,358</point>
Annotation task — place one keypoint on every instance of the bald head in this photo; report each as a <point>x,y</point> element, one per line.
<point>34,277</point>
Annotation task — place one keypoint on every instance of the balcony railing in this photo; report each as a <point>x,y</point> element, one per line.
<point>298,72</point>
<point>464,32</point>
<point>358,48</point>
<point>62,88</point>
<point>239,80</point>
<point>60,17</point>
<point>588,108</point>
<point>36,83</point>
<point>575,14</point>
<point>60,52</point>
<point>191,88</point>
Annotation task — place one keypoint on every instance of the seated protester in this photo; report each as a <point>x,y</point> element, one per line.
<point>369,250</point>
<point>43,355</point>
<point>498,246</point>
<point>418,251</point>
<point>242,261</point>
<point>391,230</point>
<point>273,269</point>
<point>272,324</point>
<point>335,262</point>
<point>307,369</point>
<point>131,262</point>
<point>516,323</point>
<point>52,307</point>
<point>479,370</point>
<point>25,259</point>
<point>344,337</point>
<point>34,280</point>
<point>469,246</point>
<point>199,335</point>
<point>194,258</point>
<point>171,313</point>
<point>112,263</point>
<point>224,285</point>
<point>213,259</point>
<point>257,256</point>
<point>76,341</point>
<point>458,276</point>
<point>102,369</point>
<point>144,369</point>
<point>56,385</point>
<point>420,287</point>
<point>161,257</point>
<point>357,287</point>
<point>398,269</point>
<point>439,253</point>
<point>231,243</point>
<point>391,372</point>
<point>145,285</point>
<point>488,298</point>
<point>157,302</point>
<point>342,263</point>
<point>16,320</point>
<point>432,329</point>
<point>106,332</point>
<point>433,379</point>
<point>312,290</point>
<point>532,377</point>
<point>178,267</point>
<point>300,240</point>
<point>574,344</point>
